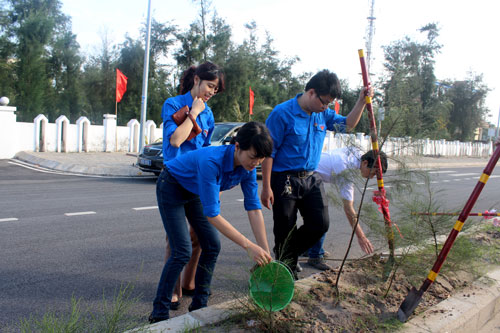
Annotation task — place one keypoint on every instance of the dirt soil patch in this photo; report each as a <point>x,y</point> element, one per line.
<point>366,302</point>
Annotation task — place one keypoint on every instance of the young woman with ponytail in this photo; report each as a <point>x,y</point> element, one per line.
<point>198,84</point>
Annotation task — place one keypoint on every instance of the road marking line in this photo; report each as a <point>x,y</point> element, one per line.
<point>80,213</point>
<point>420,183</point>
<point>145,208</point>
<point>241,200</point>
<point>444,171</point>
<point>9,219</point>
<point>463,174</point>
<point>446,180</point>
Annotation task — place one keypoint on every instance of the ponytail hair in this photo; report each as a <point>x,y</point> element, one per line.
<point>207,71</point>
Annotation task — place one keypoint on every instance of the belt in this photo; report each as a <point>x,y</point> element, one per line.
<point>298,174</point>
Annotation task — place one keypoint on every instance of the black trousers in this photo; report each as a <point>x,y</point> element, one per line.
<point>307,197</point>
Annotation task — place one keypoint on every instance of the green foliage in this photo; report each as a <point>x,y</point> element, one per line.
<point>116,316</point>
<point>42,70</point>
<point>131,62</point>
<point>31,27</point>
<point>98,80</point>
<point>422,236</point>
<point>64,67</point>
<point>53,323</point>
<point>410,83</point>
<point>420,106</point>
<point>467,107</point>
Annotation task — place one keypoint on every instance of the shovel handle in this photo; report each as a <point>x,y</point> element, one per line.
<point>461,220</point>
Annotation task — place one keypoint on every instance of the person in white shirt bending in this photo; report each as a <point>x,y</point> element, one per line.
<point>336,166</point>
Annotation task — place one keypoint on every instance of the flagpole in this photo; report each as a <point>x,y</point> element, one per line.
<point>116,127</point>
<point>145,76</point>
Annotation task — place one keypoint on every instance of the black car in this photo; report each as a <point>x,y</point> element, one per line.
<point>151,157</point>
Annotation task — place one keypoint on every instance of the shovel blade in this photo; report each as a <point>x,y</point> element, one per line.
<point>409,304</point>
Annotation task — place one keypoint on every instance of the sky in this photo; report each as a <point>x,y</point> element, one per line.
<point>322,33</point>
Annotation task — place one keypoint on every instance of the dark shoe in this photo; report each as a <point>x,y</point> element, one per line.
<point>188,292</point>
<point>299,268</point>
<point>175,305</point>
<point>319,263</point>
<point>153,320</point>
<point>192,308</point>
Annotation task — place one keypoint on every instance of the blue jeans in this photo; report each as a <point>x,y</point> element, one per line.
<point>176,204</point>
<point>317,251</point>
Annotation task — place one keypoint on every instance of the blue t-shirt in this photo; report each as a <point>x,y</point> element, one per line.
<point>207,171</point>
<point>298,137</point>
<point>205,120</point>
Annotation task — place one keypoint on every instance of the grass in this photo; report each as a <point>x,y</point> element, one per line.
<point>53,323</point>
<point>115,316</point>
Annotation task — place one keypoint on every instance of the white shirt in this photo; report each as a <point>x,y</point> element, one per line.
<point>338,166</point>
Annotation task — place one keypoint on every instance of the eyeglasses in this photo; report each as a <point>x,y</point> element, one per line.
<point>330,105</point>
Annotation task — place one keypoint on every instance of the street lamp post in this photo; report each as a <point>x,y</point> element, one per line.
<point>145,75</point>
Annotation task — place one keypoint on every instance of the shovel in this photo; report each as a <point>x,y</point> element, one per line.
<point>411,301</point>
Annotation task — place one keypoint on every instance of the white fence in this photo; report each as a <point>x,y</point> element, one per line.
<point>61,136</point>
<point>408,146</point>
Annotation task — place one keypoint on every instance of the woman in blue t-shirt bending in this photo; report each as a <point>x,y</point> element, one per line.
<point>189,187</point>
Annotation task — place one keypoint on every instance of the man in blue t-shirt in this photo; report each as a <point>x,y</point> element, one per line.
<point>298,128</point>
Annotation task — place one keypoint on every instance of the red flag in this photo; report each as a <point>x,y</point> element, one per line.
<point>252,98</point>
<point>337,106</point>
<point>121,85</point>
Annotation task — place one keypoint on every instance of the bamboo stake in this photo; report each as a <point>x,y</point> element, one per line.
<point>378,165</point>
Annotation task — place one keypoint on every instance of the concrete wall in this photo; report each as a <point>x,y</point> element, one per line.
<point>61,136</point>
<point>8,131</point>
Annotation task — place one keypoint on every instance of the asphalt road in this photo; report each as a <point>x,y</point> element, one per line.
<point>64,236</point>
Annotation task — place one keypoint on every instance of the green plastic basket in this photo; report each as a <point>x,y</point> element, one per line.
<point>271,286</point>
